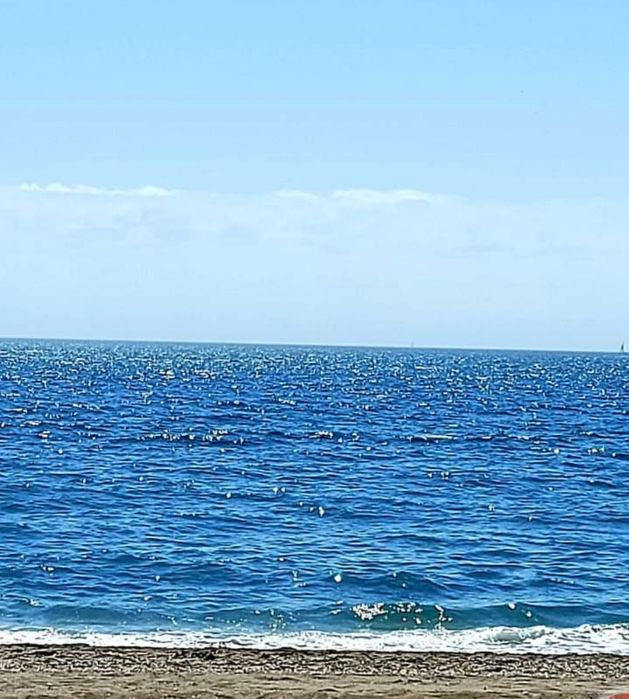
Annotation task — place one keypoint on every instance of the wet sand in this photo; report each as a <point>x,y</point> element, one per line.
<point>83,671</point>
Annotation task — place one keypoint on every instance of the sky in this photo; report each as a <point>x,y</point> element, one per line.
<point>444,173</point>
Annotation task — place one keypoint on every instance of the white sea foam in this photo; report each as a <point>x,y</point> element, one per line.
<point>584,639</point>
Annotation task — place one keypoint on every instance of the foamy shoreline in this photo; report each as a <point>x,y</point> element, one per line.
<point>81,670</point>
<point>587,639</point>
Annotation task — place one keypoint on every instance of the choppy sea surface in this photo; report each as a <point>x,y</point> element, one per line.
<point>314,497</point>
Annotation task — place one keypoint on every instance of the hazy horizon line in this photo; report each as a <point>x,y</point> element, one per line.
<point>320,345</point>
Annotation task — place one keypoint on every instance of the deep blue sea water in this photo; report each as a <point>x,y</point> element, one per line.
<point>314,496</point>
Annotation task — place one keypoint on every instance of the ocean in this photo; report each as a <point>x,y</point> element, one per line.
<point>182,494</point>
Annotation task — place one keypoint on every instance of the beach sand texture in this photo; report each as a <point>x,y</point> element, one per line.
<point>83,671</point>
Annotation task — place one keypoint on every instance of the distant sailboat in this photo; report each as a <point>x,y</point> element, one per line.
<point>622,346</point>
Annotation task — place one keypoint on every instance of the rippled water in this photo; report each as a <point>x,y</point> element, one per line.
<point>405,497</point>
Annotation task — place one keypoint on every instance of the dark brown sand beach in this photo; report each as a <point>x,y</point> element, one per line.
<point>82,671</point>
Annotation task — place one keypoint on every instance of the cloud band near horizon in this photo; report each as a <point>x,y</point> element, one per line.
<point>369,266</point>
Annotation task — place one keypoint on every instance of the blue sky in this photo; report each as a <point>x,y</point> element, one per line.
<point>448,173</point>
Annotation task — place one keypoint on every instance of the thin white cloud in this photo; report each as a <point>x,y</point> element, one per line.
<point>403,220</point>
<point>357,197</point>
<point>85,189</point>
<point>297,194</point>
<point>379,197</point>
<point>353,197</point>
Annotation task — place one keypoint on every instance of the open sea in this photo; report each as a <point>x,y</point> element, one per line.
<point>318,497</point>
